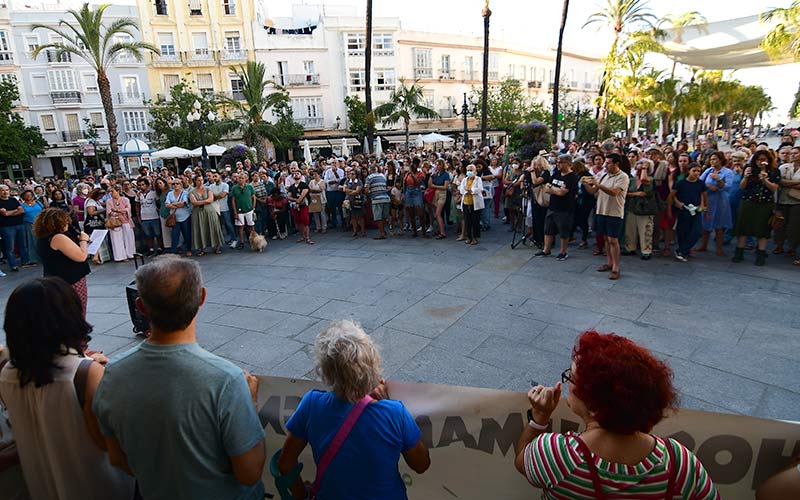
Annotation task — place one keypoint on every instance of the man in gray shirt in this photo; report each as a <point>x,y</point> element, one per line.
<point>180,419</point>
<point>375,185</point>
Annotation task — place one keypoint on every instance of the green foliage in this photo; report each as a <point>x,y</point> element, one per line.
<point>784,38</point>
<point>404,104</point>
<point>794,110</point>
<point>18,142</point>
<point>509,106</point>
<point>530,138</point>
<point>286,131</point>
<point>169,123</point>
<point>356,116</point>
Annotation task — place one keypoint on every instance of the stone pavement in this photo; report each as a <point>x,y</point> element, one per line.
<point>489,316</point>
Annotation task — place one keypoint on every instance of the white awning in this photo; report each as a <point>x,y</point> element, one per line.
<point>329,143</point>
<point>731,44</point>
<point>212,150</point>
<point>173,152</point>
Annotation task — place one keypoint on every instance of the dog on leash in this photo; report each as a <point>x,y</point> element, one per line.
<point>257,242</point>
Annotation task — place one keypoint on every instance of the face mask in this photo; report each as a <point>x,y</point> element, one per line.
<point>470,173</point>
<point>84,191</point>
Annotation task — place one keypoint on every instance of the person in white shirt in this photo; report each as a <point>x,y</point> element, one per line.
<point>148,216</point>
<point>221,190</point>
<point>333,177</point>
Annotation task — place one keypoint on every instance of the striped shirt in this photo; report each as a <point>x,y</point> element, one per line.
<point>554,464</point>
<point>376,183</point>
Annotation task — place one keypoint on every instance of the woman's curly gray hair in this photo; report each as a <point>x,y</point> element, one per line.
<point>347,360</point>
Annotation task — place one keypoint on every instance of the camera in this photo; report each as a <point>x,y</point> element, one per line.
<point>755,170</point>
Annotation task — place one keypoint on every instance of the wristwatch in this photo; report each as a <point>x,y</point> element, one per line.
<point>537,426</point>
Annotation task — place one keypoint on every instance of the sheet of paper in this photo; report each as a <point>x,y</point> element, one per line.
<point>95,240</point>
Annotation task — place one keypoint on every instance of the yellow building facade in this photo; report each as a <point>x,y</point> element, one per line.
<point>201,42</point>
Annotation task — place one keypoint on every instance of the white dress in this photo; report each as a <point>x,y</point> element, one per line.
<point>59,459</point>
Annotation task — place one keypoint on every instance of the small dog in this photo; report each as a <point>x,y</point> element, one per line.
<point>257,242</point>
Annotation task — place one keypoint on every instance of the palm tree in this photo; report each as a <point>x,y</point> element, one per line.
<point>99,45</point>
<point>404,104</point>
<point>665,95</point>
<point>257,102</point>
<point>679,23</point>
<point>618,14</point>
<point>784,38</point>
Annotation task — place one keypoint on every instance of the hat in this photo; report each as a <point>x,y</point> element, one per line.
<point>653,148</point>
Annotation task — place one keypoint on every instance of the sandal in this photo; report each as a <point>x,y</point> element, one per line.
<point>598,252</point>
<point>777,251</point>
<point>604,268</point>
<point>460,238</point>
<point>439,236</point>
<point>200,253</point>
<point>218,251</point>
<point>301,240</point>
<point>614,275</point>
<point>796,262</point>
<point>665,253</point>
<point>309,242</point>
<point>473,242</point>
<point>583,244</point>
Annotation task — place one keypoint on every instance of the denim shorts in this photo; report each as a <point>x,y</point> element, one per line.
<point>608,226</point>
<point>413,197</point>
<point>151,228</point>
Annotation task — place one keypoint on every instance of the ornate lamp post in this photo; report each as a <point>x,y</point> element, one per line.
<point>465,113</point>
<point>486,13</point>
<point>201,120</point>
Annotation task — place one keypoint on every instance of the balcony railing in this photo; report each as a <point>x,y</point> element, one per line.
<point>232,55</point>
<point>588,85</point>
<point>534,84</point>
<point>125,58</point>
<point>315,122</point>
<point>6,57</point>
<point>65,96</point>
<point>233,95</point>
<point>423,73</point>
<point>468,75</point>
<point>52,56</point>
<point>296,80</point>
<point>446,113</point>
<point>73,135</point>
<point>494,75</point>
<point>160,9</point>
<point>166,58</point>
<point>131,98</point>
<point>200,55</point>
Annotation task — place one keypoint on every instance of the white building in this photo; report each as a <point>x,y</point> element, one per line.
<point>62,96</point>
<point>318,55</point>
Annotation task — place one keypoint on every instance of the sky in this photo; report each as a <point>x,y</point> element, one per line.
<point>535,23</point>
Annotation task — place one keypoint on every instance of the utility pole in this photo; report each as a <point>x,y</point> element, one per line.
<point>486,13</point>
<point>368,77</point>
<point>558,70</point>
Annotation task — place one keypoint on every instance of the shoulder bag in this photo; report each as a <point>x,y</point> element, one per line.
<point>172,219</point>
<point>650,204</point>
<point>541,197</point>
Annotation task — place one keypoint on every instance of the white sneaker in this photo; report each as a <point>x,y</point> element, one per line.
<point>275,237</point>
<point>234,243</point>
<point>283,235</point>
<point>2,274</point>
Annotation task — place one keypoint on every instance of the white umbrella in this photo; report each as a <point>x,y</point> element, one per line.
<point>173,152</point>
<point>419,142</point>
<point>366,145</point>
<point>345,151</point>
<point>378,147</point>
<point>433,138</point>
<point>306,151</point>
<point>212,150</point>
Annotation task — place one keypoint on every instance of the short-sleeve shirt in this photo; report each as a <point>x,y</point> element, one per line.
<point>757,192</point>
<point>10,204</point>
<point>178,434</point>
<point>243,196</point>
<point>376,183</point>
<point>564,203</point>
<point>789,173</point>
<point>184,212</point>
<point>612,206</point>
<point>365,467</point>
<point>297,189</point>
<point>690,193</point>
<point>554,464</point>
<point>222,187</point>
<point>147,205</point>
<point>439,178</point>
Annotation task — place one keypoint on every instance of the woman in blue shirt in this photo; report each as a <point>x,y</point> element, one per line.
<point>719,181</point>
<point>365,466</point>
<point>178,202</point>
<point>32,208</point>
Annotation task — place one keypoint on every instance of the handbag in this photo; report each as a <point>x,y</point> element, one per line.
<point>172,220</point>
<point>430,193</point>
<point>315,203</point>
<point>541,196</point>
<point>650,204</point>
<point>397,195</point>
<point>777,221</point>
<point>113,222</point>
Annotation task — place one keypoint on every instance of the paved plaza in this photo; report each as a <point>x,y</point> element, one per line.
<point>490,316</point>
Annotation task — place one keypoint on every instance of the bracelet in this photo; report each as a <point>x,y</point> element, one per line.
<point>538,426</point>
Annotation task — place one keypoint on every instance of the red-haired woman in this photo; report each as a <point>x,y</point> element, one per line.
<point>620,391</point>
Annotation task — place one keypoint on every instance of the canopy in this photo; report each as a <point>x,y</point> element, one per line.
<point>731,44</point>
<point>378,147</point>
<point>345,151</point>
<point>212,150</point>
<point>173,152</point>
<point>366,146</point>
<point>135,147</point>
<point>433,137</point>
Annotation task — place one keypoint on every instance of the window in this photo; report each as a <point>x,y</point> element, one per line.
<point>511,70</point>
<point>427,97</point>
<point>195,8</point>
<point>135,121</point>
<point>170,81</point>
<point>166,42</point>
<point>494,67</point>
<point>200,44</point>
<point>308,67</point>
<point>422,63</point>
<point>61,80</point>
<point>31,43</point>
<point>237,85</point>
<point>161,7</point>
<point>205,83</point>
<point>382,44</point>
<point>307,107</point>
<point>48,123</point>
<point>232,41</point>
<point>96,119</point>
<point>4,47</point>
<point>89,82</point>
<point>130,86</point>
<point>446,66</point>
<point>39,85</point>
<point>229,7</point>
<point>384,79</point>
<point>356,42</point>
<point>357,81</point>
<point>468,68</point>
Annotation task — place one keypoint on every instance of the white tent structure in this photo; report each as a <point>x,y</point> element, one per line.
<point>306,151</point>
<point>419,143</point>
<point>434,137</point>
<point>366,146</point>
<point>170,153</point>
<point>345,150</point>
<point>378,147</point>
<point>731,44</point>
<point>212,150</point>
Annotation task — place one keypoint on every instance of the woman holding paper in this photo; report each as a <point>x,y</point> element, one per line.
<point>62,250</point>
<point>620,391</point>
<point>382,429</point>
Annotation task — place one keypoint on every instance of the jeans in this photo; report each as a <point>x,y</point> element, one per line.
<point>11,235</point>
<point>486,214</point>
<point>688,230</point>
<point>335,200</point>
<point>182,228</point>
<point>226,218</point>
<point>262,218</point>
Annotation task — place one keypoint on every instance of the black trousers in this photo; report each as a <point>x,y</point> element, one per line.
<point>582,212</point>
<point>472,221</point>
<point>539,213</point>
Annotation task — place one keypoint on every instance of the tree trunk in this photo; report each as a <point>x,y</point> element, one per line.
<point>558,68</point>
<point>111,120</point>
<point>368,76</point>
<point>408,149</point>
<point>636,122</point>
<point>628,127</point>
<point>601,118</point>
<point>261,149</point>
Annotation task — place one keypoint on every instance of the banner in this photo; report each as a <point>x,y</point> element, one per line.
<point>472,434</point>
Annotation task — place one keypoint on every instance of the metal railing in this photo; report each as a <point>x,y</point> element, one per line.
<point>6,57</point>
<point>296,80</point>
<point>232,55</point>
<point>315,122</point>
<point>166,58</point>
<point>66,96</point>
<point>52,56</point>
<point>494,75</point>
<point>233,95</point>
<point>446,113</point>
<point>423,73</point>
<point>131,98</point>
<point>469,75</point>
<point>201,55</point>
<point>447,75</point>
<point>73,135</point>
<point>160,8</point>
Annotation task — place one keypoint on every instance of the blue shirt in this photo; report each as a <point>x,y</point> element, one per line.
<point>179,413</point>
<point>366,465</point>
<point>31,212</point>
<point>183,213</point>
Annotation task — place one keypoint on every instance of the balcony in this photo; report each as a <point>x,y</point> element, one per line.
<point>233,55</point>
<point>446,113</point>
<point>588,86</point>
<point>52,56</point>
<point>494,75</point>
<point>534,84</point>
<point>72,135</point>
<point>311,123</point>
<point>355,52</point>
<point>66,97</point>
<point>6,57</point>
<point>468,75</point>
<point>125,58</point>
<point>420,73</point>
<point>160,9</point>
<point>299,80</point>
<point>201,56</point>
<point>382,52</point>
<point>447,75</point>
<point>166,59</point>
<point>234,95</point>
<point>131,98</point>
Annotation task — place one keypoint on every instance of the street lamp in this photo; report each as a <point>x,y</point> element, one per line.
<point>195,116</point>
<point>465,112</point>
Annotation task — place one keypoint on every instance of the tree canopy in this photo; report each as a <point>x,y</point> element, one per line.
<point>18,142</point>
